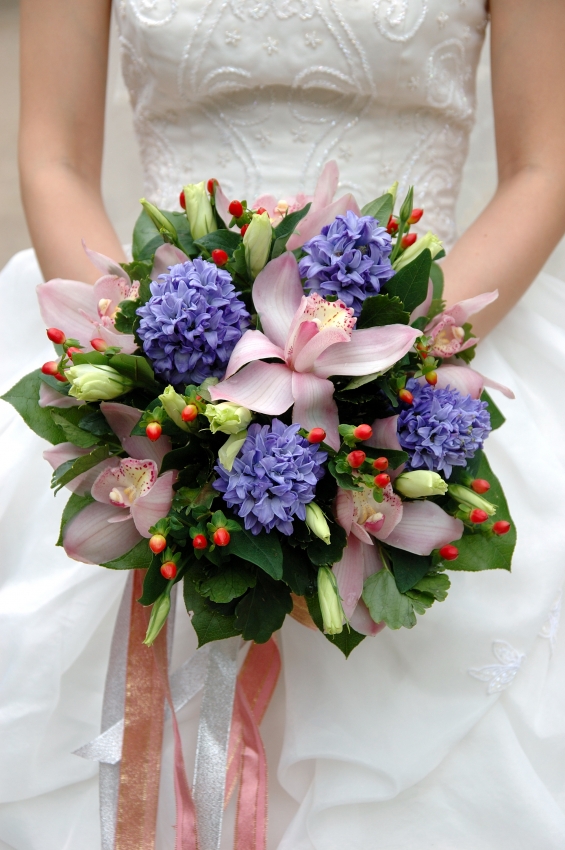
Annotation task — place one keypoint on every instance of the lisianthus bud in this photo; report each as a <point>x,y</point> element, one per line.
<point>466,496</point>
<point>420,483</point>
<point>317,523</point>
<point>257,243</point>
<point>227,417</point>
<point>199,210</point>
<point>90,382</point>
<point>429,241</point>
<point>229,451</point>
<point>330,602</point>
<point>174,404</point>
<point>158,219</point>
<point>392,191</point>
<point>159,614</point>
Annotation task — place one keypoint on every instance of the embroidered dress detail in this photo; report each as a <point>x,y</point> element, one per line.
<point>500,676</point>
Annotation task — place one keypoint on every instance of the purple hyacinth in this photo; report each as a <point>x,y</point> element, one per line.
<point>273,477</point>
<point>442,428</point>
<point>349,259</point>
<point>191,323</point>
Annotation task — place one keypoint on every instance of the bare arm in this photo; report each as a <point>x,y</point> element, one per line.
<point>511,240</point>
<point>64,56</point>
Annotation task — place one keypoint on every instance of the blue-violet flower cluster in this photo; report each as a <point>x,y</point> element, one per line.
<point>273,477</point>
<point>349,259</point>
<point>191,323</point>
<point>442,428</point>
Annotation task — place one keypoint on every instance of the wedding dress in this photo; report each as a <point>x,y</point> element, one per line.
<point>449,736</point>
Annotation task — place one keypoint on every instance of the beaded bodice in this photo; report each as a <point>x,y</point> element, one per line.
<point>260,93</point>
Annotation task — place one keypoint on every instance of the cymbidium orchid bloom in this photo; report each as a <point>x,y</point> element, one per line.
<point>446,330</point>
<point>467,381</point>
<point>63,452</point>
<point>314,338</point>
<point>87,312</point>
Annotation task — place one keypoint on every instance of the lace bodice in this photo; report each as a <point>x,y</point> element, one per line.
<point>260,93</point>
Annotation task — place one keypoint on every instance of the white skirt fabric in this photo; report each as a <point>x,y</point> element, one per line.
<point>450,736</point>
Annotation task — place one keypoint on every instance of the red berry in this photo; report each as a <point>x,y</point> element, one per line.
<point>363,432</point>
<point>501,527</point>
<point>221,537</point>
<point>479,485</point>
<point>406,396</point>
<point>431,378</point>
<point>210,185</point>
<point>60,377</point>
<point>415,216</point>
<point>392,225</point>
<point>99,344</point>
<point>182,200</point>
<point>169,570</point>
<point>449,553</point>
<point>356,458</point>
<point>382,479</point>
<point>219,256</point>
<point>236,209</point>
<point>199,542</point>
<point>189,413</point>
<point>261,210</point>
<point>243,230</point>
<point>56,336</point>
<point>478,516</point>
<point>72,349</point>
<point>51,367</point>
<point>153,431</point>
<point>408,239</point>
<point>316,435</point>
<point>381,463</point>
<point>157,543</point>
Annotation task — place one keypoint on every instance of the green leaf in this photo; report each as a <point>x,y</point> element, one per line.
<point>137,369</point>
<point>284,230</point>
<point>381,310</point>
<point>298,571</point>
<point>72,468</point>
<point>96,358</point>
<point>96,423</point>
<point>361,381</point>
<point>69,421</point>
<point>24,397</point>
<point>74,506</point>
<point>410,284</point>
<point>181,225</point>
<point>435,585</point>
<point>138,270</point>
<point>323,554</point>
<point>436,307</point>
<point>146,238</point>
<point>436,274</point>
<point>138,558</point>
<point>210,622</point>
<point>153,584</point>
<point>228,585</point>
<point>408,568</point>
<point>126,315</point>
<point>344,479</point>
<point>346,641</point>
<point>395,457</point>
<point>263,609</point>
<point>381,208</point>
<point>386,603</point>
<point>225,240</point>
<point>198,498</point>
<point>496,417</point>
<point>263,550</point>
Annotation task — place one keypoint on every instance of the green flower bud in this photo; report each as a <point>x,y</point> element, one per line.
<point>420,483</point>
<point>159,220</point>
<point>429,241</point>
<point>199,210</point>
<point>229,451</point>
<point>407,205</point>
<point>227,417</point>
<point>174,405</point>
<point>466,496</point>
<point>96,383</point>
<point>317,523</point>
<point>159,614</point>
<point>392,191</point>
<point>330,602</point>
<point>257,243</point>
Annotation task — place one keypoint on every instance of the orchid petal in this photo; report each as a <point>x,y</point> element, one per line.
<point>423,308</point>
<point>277,294</point>
<point>494,385</point>
<point>305,331</point>
<point>460,378</point>
<point>424,527</point>
<point>105,264</point>
<point>48,397</point>
<point>343,509</point>
<point>314,405</point>
<point>305,359</point>
<point>67,304</point>
<point>385,434</point>
<point>349,575</point>
<point>131,480</point>
<point>126,342</point>
<point>312,223</point>
<point>369,350</point>
<point>267,202</point>
<point>112,288</point>
<point>122,419</point>
<point>64,452</point>
<point>392,507</point>
<point>222,206</point>
<point>253,345</point>
<point>91,536</point>
<point>461,311</point>
<point>263,387</point>
<point>165,256</point>
<point>359,532</point>
<point>362,621</point>
<point>149,509</point>
<point>372,561</point>
<point>326,187</point>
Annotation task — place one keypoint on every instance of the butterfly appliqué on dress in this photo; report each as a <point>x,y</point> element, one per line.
<point>500,676</point>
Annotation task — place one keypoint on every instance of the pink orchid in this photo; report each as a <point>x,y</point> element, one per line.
<point>49,397</point>
<point>86,312</point>
<point>277,210</point>
<point>82,484</point>
<point>165,257</point>
<point>467,381</point>
<point>315,339</point>
<point>446,329</point>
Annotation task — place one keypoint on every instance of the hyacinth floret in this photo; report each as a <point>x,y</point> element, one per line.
<point>349,260</point>
<point>273,477</point>
<point>191,323</point>
<point>442,428</point>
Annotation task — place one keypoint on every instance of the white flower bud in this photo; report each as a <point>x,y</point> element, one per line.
<point>174,405</point>
<point>429,241</point>
<point>257,243</point>
<point>468,497</point>
<point>96,383</point>
<point>419,484</point>
<point>330,602</point>
<point>199,210</point>
<point>231,448</point>
<point>317,523</point>
<point>227,417</point>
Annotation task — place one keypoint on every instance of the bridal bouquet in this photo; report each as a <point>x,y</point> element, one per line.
<point>272,403</point>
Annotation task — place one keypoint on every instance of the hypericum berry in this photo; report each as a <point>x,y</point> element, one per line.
<point>56,336</point>
<point>406,396</point>
<point>157,543</point>
<point>316,435</point>
<point>261,210</point>
<point>501,527</point>
<point>221,537</point>
<point>392,225</point>
<point>363,432</point>
<point>210,185</point>
<point>99,344</point>
<point>356,458</point>
<point>169,570</point>
<point>449,553</point>
<point>72,349</point>
<point>154,431</point>
<point>431,378</point>
<point>382,479</point>
<point>236,209</point>
<point>381,463</point>
<point>219,256</point>
<point>243,230</point>
<point>182,200</point>
<point>478,516</point>
<point>60,377</point>
<point>189,413</point>
<point>479,485</point>
<point>415,216</point>
<point>408,239</point>
<point>199,542</point>
<point>50,368</point>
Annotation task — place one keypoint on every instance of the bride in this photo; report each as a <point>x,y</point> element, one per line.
<point>450,736</point>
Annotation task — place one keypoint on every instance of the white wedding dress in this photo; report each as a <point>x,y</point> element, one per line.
<point>450,736</point>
